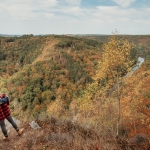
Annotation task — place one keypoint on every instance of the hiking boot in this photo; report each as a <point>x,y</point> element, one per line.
<point>20,131</point>
<point>6,138</point>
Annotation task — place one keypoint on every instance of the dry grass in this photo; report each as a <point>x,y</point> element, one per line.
<point>58,134</point>
<point>65,135</point>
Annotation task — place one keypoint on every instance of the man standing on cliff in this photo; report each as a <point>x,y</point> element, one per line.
<point>5,114</point>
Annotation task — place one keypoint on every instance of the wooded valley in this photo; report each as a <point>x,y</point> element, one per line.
<point>81,79</point>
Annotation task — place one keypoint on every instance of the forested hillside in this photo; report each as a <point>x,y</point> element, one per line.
<point>142,42</point>
<point>82,80</point>
<point>136,101</point>
<point>36,70</point>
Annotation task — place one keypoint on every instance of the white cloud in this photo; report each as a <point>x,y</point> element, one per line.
<point>67,16</point>
<point>126,20</point>
<point>25,9</point>
<point>73,2</point>
<point>124,3</point>
<point>49,15</point>
<point>120,14</point>
<point>44,3</point>
<point>73,11</point>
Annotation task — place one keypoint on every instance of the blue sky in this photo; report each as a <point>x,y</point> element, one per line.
<point>74,16</point>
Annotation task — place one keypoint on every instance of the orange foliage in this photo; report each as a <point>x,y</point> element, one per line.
<point>135,102</point>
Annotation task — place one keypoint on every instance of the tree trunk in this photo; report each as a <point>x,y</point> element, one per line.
<point>118,97</point>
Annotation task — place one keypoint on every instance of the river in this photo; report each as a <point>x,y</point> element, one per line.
<point>140,61</point>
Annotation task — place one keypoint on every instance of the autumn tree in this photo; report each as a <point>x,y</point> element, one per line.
<point>115,63</point>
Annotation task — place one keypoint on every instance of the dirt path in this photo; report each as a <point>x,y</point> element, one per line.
<point>15,142</point>
<point>47,50</point>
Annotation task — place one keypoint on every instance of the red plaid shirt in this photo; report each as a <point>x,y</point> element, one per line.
<point>4,110</point>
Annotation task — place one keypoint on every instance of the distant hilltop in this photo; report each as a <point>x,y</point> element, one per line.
<point>86,34</point>
<point>6,35</point>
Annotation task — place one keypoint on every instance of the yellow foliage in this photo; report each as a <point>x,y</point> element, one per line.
<point>56,107</point>
<point>115,58</point>
<point>114,64</point>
